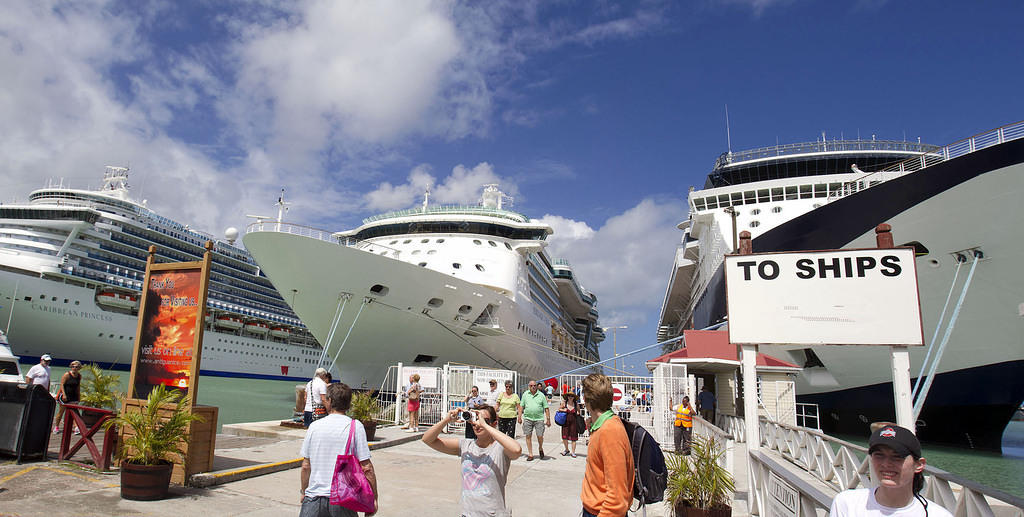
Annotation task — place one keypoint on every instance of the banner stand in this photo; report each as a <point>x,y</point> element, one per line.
<point>168,351</point>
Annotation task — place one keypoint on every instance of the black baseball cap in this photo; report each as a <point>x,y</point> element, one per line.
<point>899,439</point>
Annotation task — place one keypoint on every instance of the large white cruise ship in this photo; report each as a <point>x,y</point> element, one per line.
<point>433,285</point>
<point>72,263</point>
<point>959,206</point>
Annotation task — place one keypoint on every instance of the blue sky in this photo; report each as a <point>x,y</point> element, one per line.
<point>596,116</point>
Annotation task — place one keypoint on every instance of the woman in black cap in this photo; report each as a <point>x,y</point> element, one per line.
<point>897,470</point>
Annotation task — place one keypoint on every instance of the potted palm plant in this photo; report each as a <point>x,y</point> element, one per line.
<point>99,390</point>
<point>364,409</point>
<point>152,439</point>
<point>698,485</point>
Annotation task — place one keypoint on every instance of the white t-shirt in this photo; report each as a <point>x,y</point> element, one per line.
<point>484,473</point>
<point>314,389</point>
<point>862,503</point>
<point>325,440</point>
<point>40,375</point>
<point>491,397</point>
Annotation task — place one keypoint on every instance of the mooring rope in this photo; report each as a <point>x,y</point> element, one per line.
<point>343,299</point>
<point>366,301</point>
<point>938,325</point>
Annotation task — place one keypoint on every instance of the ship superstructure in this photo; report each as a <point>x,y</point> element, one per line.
<point>432,285</point>
<point>72,263</point>
<point>955,205</point>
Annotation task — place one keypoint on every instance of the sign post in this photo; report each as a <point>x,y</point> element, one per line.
<point>168,350</point>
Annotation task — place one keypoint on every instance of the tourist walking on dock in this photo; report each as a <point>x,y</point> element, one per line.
<point>570,434</point>
<point>897,466</point>
<point>706,404</point>
<point>473,401</point>
<point>508,410</point>
<point>40,373</point>
<point>608,478</point>
<point>413,394</point>
<point>535,417</point>
<point>316,398</point>
<point>683,426</point>
<point>485,461</point>
<point>324,441</point>
<point>69,392</point>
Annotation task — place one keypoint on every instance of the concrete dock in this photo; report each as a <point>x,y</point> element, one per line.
<point>256,474</point>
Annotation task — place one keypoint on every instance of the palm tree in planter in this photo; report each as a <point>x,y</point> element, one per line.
<point>698,485</point>
<point>364,409</point>
<point>152,438</point>
<point>99,390</point>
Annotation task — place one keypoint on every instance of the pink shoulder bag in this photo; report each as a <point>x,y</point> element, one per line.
<point>350,488</point>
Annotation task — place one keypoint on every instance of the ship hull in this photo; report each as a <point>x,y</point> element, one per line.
<point>970,202</point>
<point>63,320</point>
<point>397,312</point>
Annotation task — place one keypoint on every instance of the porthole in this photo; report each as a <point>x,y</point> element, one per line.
<point>424,241</point>
<point>431,252</point>
<point>755,211</point>
<point>509,246</point>
<point>816,205</point>
<point>465,309</point>
<point>492,243</point>
<point>439,241</point>
<point>383,253</point>
<point>477,242</point>
<point>755,224</point>
<point>456,265</point>
<point>379,290</point>
<point>479,267</point>
<point>392,243</point>
<point>435,302</point>
<point>406,241</point>
<point>415,252</point>
<point>776,209</point>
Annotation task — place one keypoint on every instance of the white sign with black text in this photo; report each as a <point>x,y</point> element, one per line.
<point>847,297</point>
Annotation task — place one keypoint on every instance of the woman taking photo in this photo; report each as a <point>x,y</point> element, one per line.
<point>485,461</point>
<point>508,410</point>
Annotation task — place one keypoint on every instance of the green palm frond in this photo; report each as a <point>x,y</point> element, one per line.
<point>363,407</point>
<point>698,479</point>
<point>155,437</point>
<point>99,389</point>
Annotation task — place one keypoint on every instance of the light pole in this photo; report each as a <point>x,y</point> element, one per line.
<point>614,350</point>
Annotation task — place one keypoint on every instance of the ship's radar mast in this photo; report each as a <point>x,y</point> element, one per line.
<point>494,198</point>
<point>115,181</point>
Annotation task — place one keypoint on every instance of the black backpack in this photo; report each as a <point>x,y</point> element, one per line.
<point>649,473</point>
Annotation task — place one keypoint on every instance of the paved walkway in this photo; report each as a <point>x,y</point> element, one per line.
<point>414,480</point>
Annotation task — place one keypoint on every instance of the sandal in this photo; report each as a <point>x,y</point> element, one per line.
<point>529,458</point>
<point>566,453</point>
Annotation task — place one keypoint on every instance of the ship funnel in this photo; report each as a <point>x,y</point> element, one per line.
<point>491,197</point>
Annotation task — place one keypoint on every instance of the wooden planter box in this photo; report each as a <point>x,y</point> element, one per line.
<point>198,444</point>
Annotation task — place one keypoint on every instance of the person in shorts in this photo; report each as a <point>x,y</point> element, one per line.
<point>897,468</point>
<point>413,395</point>
<point>534,415</point>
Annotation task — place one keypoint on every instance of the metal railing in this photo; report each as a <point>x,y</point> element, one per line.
<point>821,146</point>
<point>840,465</point>
<point>322,235</point>
<point>932,157</point>
<point>451,209</point>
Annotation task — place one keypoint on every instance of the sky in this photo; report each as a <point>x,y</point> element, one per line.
<point>595,116</point>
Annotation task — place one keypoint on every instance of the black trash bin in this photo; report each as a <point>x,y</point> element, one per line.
<point>26,413</point>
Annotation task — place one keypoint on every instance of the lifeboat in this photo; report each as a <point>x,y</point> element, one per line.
<point>257,327</point>
<point>115,299</point>
<point>229,322</point>
<point>280,332</point>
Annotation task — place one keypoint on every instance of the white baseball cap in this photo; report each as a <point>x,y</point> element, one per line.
<point>46,357</point>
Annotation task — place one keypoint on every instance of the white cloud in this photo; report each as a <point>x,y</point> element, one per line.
<point>462,186</point>
<point>625,261</point>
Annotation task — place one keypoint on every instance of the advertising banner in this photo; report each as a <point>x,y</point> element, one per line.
<point>169,327</point>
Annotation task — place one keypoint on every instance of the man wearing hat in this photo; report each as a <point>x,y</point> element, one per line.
<point>40,373</point>
<point>897,473</point>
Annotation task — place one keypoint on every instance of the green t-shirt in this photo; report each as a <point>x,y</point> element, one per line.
<point>534,405</point>
<point>507,405</point>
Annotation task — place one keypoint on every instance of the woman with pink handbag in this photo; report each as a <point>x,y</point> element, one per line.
<point>337,476</point>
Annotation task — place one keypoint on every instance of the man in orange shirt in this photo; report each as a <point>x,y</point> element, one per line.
<point>608,479</point>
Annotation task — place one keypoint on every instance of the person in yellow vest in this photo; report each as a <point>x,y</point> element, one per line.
<point>684,426</point>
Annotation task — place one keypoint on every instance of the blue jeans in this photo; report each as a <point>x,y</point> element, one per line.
<point>321,507</point>
<point>588,514</point>
<point>307,418</point>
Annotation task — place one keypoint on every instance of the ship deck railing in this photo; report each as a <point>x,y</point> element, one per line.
<point>817,467</point>
<point>451,209</point>
<point>321,235</point>
<point>957,149</point>
<point>821,146</point>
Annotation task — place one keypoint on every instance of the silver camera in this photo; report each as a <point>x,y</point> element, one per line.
<point>467,416</point>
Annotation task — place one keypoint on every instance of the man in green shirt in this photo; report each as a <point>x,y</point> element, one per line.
<point>534,415</point>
